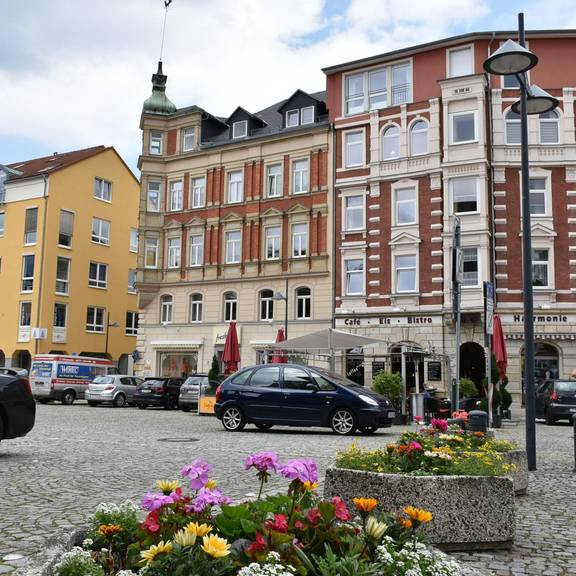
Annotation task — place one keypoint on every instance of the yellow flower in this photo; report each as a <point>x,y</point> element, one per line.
<point>211,484</point>
<point>417,514</point>
<point>215,546</point>
<point>160,548</point>
<point>109,529</point>
<point>198,530</point>
<point>375,529</point>
<point>184,538</point>
<point>167,486</point>
<point>365,504</point>
<point>310,486</point>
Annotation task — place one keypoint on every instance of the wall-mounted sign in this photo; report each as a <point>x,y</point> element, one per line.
<point>416,320</point>
<point>562,319</point>
<point>434,371</point>
<point>220,332</point>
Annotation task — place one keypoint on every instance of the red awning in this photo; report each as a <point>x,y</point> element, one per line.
<point>231,355</point>
<point>499,347</point>
<point>280,357</point>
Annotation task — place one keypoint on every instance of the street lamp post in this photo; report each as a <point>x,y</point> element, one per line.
<point>108,326</point>
<point>514,59</point>
<point>280,296</point>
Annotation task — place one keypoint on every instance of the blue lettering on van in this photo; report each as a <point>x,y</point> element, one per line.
<point>75,371</point>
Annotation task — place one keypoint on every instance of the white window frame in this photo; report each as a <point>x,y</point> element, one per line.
<point>97,281</point>
<point>549,268</point>
<point>512,121</point>
<point>413,131</point>
<point>156,144</point>
<point>27,283</point>
<point>345,211</point>
<point>64,282</point>
<point>397,202</point>
<point>556,121</point>
<point>132,275</point>
<point>60,233</point>
<point>241,125</point>
<point>65,307</point>
<point>198,192</point>
<point>132,326</point>
<point>273,242</point>
<point>92,324</point>
<point>30,236</point>
<point>166,308</point>
<point>2,223</point>
<point>503,82</point>
<point>151,245</point>
<point>151,192</point>
<point>100,187</point>
<point>102,234</point>
<point>398,270</point>
<point>546,192</point>
<point>230,311</point>
<point>306,300</point>
<point>295,114</point>
<point>174,251</point>
<point>196,308</point>
<point>196,250</point>
<point>276,179</point>
<point>134,240</point>
<point>235,245</point>
<point>300,240</point>
<point>348,274</point>
<point>28,304</point>
<point>176,195</point>
<point>300,177</point>
<point>235,185</point>
<point>477,186</point>
<point>302,122</point>
<point>347,145</point>
<point>266,305</point>
<point>186,133</point>
<point>383,137</point>
<point>450,51</point>
<point>452,116</point>
<point>478,268</point>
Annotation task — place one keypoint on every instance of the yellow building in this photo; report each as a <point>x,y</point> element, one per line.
<point>68,249</point>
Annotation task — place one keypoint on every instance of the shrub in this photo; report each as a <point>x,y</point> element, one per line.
<point>389,384</point>
<point>506,396</point>
<point>496,399</point>
<point>468,388</point>
<point>78,562</point>
<point>214,371</point>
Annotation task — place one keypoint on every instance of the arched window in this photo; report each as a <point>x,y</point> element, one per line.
<point>230,306</point>
<point>166,309</point>
<point>303,303</point>
<point>196,307</point>
<point>391,143</point>
<point>419,138</point>
<point>512,127</point>
<point>549,132</point>
<point>266,305</point>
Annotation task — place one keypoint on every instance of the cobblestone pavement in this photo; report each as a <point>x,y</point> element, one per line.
<point>78,456</point>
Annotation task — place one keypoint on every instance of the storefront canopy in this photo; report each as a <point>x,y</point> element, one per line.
<point>327,340</point>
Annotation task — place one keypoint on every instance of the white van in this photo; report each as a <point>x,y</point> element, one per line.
<point>65,378</point>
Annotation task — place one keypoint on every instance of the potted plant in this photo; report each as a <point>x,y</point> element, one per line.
<point>390,385</point>
<point>468,388</point>
<point>214,371</point>
<point>506,398</point>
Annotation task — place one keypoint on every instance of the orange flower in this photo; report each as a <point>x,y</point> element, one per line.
<point>478,434</point>
<point>109,529</point>
<point>365,505</point>
<point>417,514</point>
<point>406,524</point>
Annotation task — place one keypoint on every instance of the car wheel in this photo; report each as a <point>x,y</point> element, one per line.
<point>263,426</point>
<point>343,422</point>
<point>185,408</point>
<point>119,401</point>
<point>368,429</point>
<point>233,420</point>
<point>68,397</point>
<point>550,420</point>
<point>142,406</point>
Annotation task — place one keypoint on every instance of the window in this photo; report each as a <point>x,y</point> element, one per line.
<point>377,89</point>
<point>268,377</point>
<point>272,243</point>
<point>151,253</point>
<point>296,379</point>
<point>132,281</point>
<point>463,127</point>
<point>464,195</point>
<point>406,212</point>
<point>419,138</point>
<point>31,226</point>
<point>460,62</point>
<point>354,149</point>
<point>60,313</point>
<point>233,245</point>
<point>354,269</point>
<point>470,267</point>
<point>300,176</point>
<point>2,222</point>
<point>198,192</point>
<point>355,94</point>
<point>166,302</point>
<point>103,189</point>
<point>98,275</point>
<point>131,323</point>
<point>188,139</point>
<point>307,115</point>
<point>25,313</point>
<point>240,129</point>
<point>537,196</point>
<point>354,212</point>
<point>511,81</point>
<point>230,306</point>
<point>303,303</point>
<point>156,143</point>
<point>173,252</point>
<point>28,273</point>
<point>292,118</point>
<point>405,273</point>
<point>176,196</point>
<point>95,319</point>
<point>274,181</point>
<point>299,240</point>
<point>266,305</point>
<point>513,130</point>
<point>100,231</point>
<point>540,268</point>
<point>400,84</point>
<point>196,305</point>
<point>133,239</point>
<point>235,186</point>
<point>66,228</point>
<point>391,143</point>
<point>62,275</point>
<point>196,250</point>
<point>549,133</point>
<point>153,204</point>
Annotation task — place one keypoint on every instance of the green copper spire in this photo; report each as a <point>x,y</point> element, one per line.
<point>158,103</point>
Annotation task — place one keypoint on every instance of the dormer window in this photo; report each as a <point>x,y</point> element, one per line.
<point>188,139</point>
<point>292,118</point>
<point>307,115</point>
<point>240,129</point>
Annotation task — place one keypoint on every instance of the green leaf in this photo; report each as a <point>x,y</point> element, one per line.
<point>327,510</point>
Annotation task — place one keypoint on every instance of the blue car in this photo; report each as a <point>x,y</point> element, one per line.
<point>296,395</point>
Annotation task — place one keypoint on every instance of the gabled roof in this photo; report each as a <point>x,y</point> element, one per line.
<point>252,116</point>
<point>299,91</point>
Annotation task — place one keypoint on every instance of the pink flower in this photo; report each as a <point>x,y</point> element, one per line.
<point>262,461</point>
<point>279,524</point>
<point>414,446</point>
<point>340,509</point>
<point>153,501</point>
<point>418,419</point>
<point>313,515</point>
<point>302,469</point>
<point>258,545</point>
<point>205,498</point>
<point>197,473</point>
<point>440,424</point>
<point>150,524</point>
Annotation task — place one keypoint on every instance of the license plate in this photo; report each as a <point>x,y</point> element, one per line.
<point>146,391</point>
<point>391,414</point>
<point>572,409</point>
<point>39,383</point>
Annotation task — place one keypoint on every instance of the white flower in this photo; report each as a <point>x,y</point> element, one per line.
<point>87,542</point>
<point>430,454</point>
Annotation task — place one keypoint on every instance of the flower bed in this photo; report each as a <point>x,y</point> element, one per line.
<point>197,531</point>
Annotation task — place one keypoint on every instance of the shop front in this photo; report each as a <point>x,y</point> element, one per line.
<point>175,358</point>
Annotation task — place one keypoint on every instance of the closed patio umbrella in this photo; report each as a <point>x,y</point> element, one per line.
<point>231,355</point>
<point>280,357</point>
<point>499,350</point>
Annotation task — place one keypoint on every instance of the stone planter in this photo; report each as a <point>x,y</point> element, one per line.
<point>520,474</point>
<point>470,512</point>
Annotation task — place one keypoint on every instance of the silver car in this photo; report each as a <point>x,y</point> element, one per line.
<point>189,392</point>
<point>116,389</point>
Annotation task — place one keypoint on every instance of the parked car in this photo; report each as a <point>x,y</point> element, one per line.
<point>17,406</point>
<point>115,389</point>
<point>162,392</point>
<point>190,390</point>
<point>296,395</point>
<point>556,400</point>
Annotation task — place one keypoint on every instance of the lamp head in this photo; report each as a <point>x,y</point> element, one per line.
<point>510,58</point>
<point>538,101</point>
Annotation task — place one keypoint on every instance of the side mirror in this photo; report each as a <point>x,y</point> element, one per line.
<point>312,387</point>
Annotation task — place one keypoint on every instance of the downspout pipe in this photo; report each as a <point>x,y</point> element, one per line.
<point>334,247</point>
<point>41,267</point>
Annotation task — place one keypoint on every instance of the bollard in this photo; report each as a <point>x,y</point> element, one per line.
<point>477,421</point>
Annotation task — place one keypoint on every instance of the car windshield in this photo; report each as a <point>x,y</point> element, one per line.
<point>195,380</point>
<point>103,380</point>
<point>337,378</point>
<point>152,384</point>
<point>566,386</point>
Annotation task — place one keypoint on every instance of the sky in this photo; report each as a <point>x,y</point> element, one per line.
<point>74,73</point>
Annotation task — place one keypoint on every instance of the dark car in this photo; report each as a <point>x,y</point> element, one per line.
<point>190,391</point>
<point>556,400</point>
<point>17,406</point>
<point>296,395</point>
<point>162,392</point>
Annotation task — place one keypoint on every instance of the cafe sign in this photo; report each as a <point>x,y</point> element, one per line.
<point>416,320</point>
<point>561,319</point>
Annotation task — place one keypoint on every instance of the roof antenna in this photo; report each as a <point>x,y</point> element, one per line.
<point>166,6</point>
